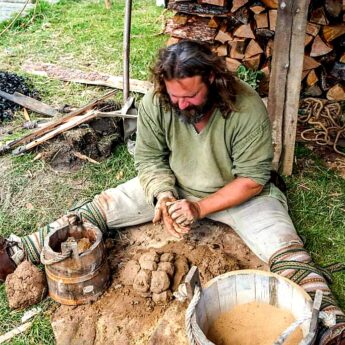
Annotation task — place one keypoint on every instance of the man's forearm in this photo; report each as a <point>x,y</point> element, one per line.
<point>234,193</point>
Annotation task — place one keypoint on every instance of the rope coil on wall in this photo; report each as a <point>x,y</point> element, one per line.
<point>326,122</point>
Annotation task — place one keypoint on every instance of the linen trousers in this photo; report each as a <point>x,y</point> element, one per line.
<point>262,222</point>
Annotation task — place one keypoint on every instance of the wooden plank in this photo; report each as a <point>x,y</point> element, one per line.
<point>285,82</point>
<point>92,78</point>
<point>30,103</point>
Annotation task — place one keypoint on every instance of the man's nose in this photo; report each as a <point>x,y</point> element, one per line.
<point>183,104</point>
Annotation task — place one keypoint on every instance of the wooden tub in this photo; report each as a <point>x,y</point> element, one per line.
<point>228,290</point>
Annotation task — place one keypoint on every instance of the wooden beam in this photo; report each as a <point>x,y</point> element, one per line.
<point>285,80</point>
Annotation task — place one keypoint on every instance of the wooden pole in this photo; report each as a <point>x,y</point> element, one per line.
<point>285,80</point>
<point>126,49</point>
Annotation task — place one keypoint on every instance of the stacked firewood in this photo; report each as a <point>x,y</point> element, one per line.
<point>242,31</point>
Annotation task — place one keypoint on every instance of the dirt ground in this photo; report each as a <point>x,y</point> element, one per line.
<point>123,317</point>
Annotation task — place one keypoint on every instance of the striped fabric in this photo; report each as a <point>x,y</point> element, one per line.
<point>296,264</point>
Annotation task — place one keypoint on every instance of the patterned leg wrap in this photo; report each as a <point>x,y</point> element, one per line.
<point>296,264</point>
<point>87,212</point>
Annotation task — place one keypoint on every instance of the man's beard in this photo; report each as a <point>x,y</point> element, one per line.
<point>194,113</point>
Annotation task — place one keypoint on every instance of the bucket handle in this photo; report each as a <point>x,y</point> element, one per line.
<point>57,257</point>
<point>313,316</point>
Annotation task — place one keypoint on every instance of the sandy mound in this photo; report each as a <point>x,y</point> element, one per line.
<point>25,286</point>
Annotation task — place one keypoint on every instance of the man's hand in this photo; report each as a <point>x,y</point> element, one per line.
<point>162,214</point>
<point>184,212</point>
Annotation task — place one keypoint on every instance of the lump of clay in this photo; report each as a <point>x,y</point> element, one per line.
<point>26,286</point>
<point>162,298</point>
<point>149,256</point>
<point>129,272</point>
<point>167,257</point>
<point>142,281</point>
<point>159,281</point>
<point>167,267</point>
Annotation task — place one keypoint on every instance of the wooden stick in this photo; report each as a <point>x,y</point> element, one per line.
<point>77,120</point>
<point>15,331</point>
<point>51,125</point>
<point>85,158</point>
<point>30,103</point>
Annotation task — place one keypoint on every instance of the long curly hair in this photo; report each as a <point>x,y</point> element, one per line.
<point>189,58</point>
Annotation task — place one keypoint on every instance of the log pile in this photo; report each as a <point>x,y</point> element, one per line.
<point>242,31</point>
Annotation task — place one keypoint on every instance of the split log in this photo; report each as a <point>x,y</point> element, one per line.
<point>252,49</point>
<point>78,76</point>
<point>220,3</point>
<point>336,93</point>
<point>313,29</point>
<point>214,23</point>
<point>331,32</point>
<point>272,15</point>
<point>232,64</point>
<point>222,50</point>
<point>199,9</point>
<point>318,16</point>
<point>236,4</point>
<point>257,9</point>
<point>261,20</point>
<point>180,19</point>
<point>334,7</point>
<point>237,49</point>
<point>253,62</point>
<point>312,78</point>
<point>223,36</point>
<point>319,47</point>
<point>308,39</point>
<point>271,3</point>
<point>197,27</point>
<point>244,31</point>
<point>310,63</point>
<point>242,15</point>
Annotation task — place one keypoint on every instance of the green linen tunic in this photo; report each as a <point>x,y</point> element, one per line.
<point>170,153</point>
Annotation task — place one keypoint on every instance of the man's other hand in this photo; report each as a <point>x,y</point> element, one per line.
<point>162,215</point>
<point>184,212</point>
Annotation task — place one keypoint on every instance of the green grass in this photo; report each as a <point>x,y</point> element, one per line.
<point>316,196</point>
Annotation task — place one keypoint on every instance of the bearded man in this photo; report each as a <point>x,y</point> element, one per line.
<point>204,149</point>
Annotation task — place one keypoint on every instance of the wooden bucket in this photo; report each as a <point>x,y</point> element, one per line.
<point>226,291</point>
<point>79,279</point>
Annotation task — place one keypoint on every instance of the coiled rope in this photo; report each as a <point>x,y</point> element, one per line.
<point>326,120</point>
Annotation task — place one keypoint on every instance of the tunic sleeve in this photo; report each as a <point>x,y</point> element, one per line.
<point>252,149</point>
<point>152,152</point>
